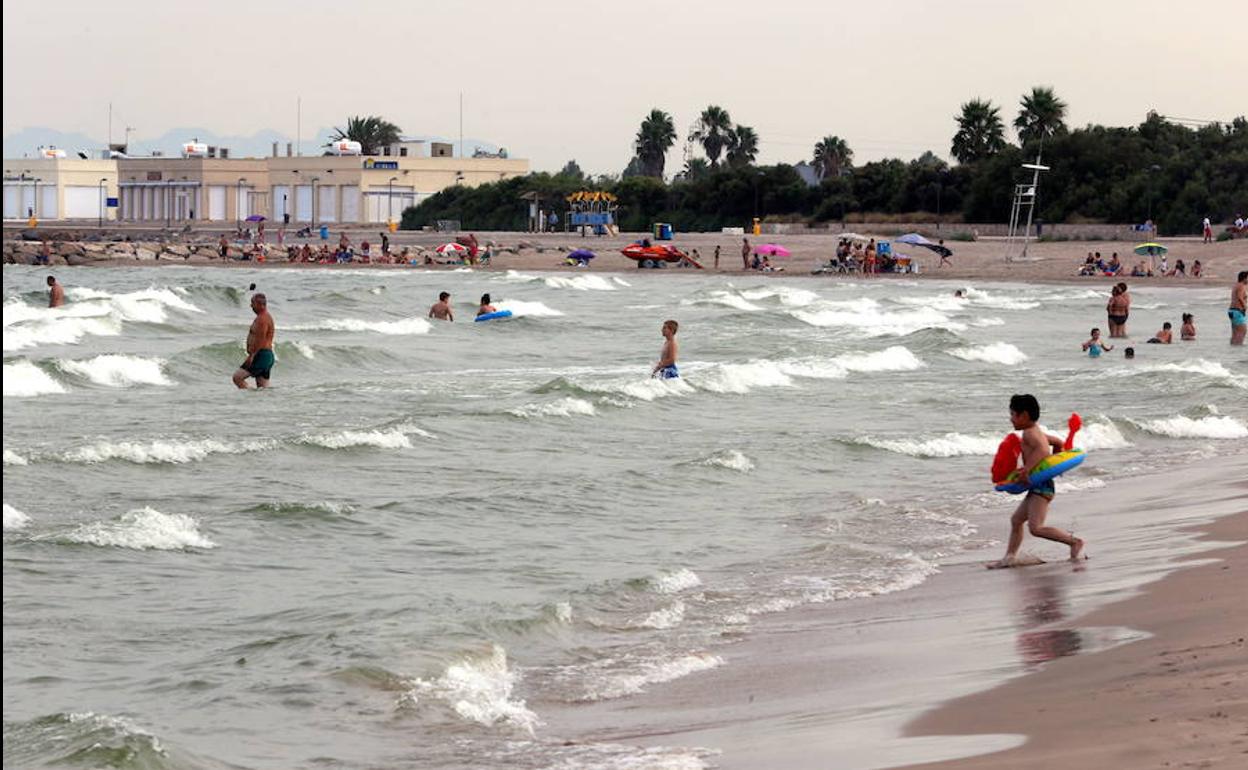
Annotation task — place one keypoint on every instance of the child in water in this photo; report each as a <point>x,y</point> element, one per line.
<point>1024,414</point>
<point>1165,336</point>
<point>486,307</point>
<point>1096,345</point>
<point>666,369</point>
<point>1188,330</point>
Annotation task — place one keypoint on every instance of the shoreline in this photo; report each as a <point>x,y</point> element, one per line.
<point>852,684</point>
<point>1178,698</point>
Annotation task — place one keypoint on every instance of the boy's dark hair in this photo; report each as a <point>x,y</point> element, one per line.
<point>1242,275</point>
<point>485,299</point>
<point>1187,317</point>
<point>1025,403</point>
<point>1166,325</point>
<point>675,326</point>
<point>442,297</point>
<point>1095,329</point>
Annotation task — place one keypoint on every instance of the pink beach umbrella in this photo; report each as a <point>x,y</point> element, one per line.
<point>452,250</point>
<point>772,250</point>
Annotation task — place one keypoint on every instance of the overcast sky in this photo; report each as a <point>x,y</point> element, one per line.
<point>553,80</point>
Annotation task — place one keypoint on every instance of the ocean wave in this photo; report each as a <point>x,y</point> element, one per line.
<point>742,378</point>
<point>579,282</point>
<point>674,582</point>
<point>303,349</point>
<point>520,308</point>
<point>984,299</point>
<point>948,445</point>
<point>787,296</point>
<point>348,439</point>
<point>1065,484</point>
<point>63,330</point>
<point>478,689</point>
<point>564,407</point>
<point>1099,435</point>
<point>730,459</point>
<point>1204,427</point>
<point>413,325</point>
<point>648,389</point>
<point>867,317</point>
<point>14,519</point>
<point>13,458</point>
<point>612,756</point>
<point>994,353</point>
<point>25,380</point>
<point>117,371</point>
<point>663,618</point>
<point>87,739</point>
<point>173,451</point>
<point>724,298</point>
<point>618,280</point>
<point>618,677</point>
<point>143,529</point>
<point>1205,367</point>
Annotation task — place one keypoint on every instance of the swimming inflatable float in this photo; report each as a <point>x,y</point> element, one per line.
<point>494,316</point>
<point>1004,465</point>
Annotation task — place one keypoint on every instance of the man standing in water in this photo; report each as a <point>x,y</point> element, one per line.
<point>56,294</point>
<point>260,359</point>
<point>666,369</point>
<point>1024,414</point>
<point>1238,312</point>
<point>745,253</point>
<point>441,309</point>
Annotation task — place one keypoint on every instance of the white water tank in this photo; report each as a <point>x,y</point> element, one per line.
<point>194,150</point>
<point>51,152</point>
<point>346,147</point>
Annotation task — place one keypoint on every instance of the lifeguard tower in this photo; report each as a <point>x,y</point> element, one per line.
<point>593,210</point>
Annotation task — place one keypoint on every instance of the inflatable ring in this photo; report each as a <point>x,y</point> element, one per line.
<point>1049,468</point>
<point>494,316</point>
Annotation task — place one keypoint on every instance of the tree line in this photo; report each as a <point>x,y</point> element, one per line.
<point>1160,170</point>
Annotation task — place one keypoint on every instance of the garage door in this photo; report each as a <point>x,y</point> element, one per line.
<point>281,201</point>
<point>12,197</point>
<point>328,211</point>
<point>81,202</point>
<point>350,203</point>
<point>303,203</point>
<point>28,200</point>
<point>216,202</point>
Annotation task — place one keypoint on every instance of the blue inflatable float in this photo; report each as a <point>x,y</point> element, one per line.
<point>1049,468</point>
<point>497,314</point>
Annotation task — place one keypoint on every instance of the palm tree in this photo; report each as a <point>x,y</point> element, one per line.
<point>655,137</point>
<point>742,146</point>
<point>832,156</point>
<point>712,131</point>
<point>696,168</point>
<point>980,132</point>
<point>1040,116</point>
<point>371,132</point>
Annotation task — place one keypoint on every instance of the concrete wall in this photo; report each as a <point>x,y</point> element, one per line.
<point>29,179</point>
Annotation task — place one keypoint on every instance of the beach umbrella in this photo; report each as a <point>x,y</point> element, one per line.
<point>772,250</point>
<point>581,254</point>
<point>913,238</point>
<point>452,250</point>
<point>1151,250</point>
<point>853,236</point>
<point>255,218</point>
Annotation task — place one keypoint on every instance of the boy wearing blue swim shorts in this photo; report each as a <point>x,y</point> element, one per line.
<point>1238,311</point>
<point>1024,414</point>
<point>666,369</point>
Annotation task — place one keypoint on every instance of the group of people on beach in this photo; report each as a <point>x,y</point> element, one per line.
<point>1095,265</point>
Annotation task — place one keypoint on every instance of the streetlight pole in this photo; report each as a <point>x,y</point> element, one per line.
<point>390,201</point>
<point>168,201</point>
<point>238,202</point>
<point>1152,192</point>
<point>315,179</point>
<point>101,186</point>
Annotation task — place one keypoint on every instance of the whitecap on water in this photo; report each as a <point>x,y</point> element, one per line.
<point>580,282</point>
<point>400,327</point>
<point>25,380</point>
<point>14,519</point>
<point>175,451</point>
<point>13,458</point>
<point>676,581</point>
<point>527,308</point>
<point>993,353</point>
<point>117,371</point>
<point>564,407</point>
<point>144,529</point>
<point>478,689</point>
<point>1204,427</point>
<point>730,459</point>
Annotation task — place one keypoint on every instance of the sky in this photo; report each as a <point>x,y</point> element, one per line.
<point>555,80</point>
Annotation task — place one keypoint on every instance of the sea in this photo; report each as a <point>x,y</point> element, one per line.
<point>427,535</point>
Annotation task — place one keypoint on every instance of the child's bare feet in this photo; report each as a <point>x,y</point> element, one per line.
<point>1076,549</point>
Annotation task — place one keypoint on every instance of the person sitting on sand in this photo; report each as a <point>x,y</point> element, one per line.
<point>1163,337</point>
<point>1196,269</point>
<point>1114,265</point>
<point>1141,270</point>
<point>1188,330</point>
<point>1179,271</point>
<point>1096,345</point>
<point>1088,267</point>
<point>441,309</point>
<point>486,307</point>
<point>1024,414</point>
<point>366,253</point>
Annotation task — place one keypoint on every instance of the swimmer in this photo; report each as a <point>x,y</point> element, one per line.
<point>1129,353</point>
<point>1096,345</point>
<point>959,294</point>
<point>56,293</point>
<point>666,369</point>
<point>1238,311</point>
<point>260,358</point>
<point>486,307</point>
<point>1024,413</point>
<point>1163,337</point>
<point>1188,330</point>
<point>442,308</point>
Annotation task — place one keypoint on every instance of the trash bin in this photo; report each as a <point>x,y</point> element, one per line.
<point>662,231</point>
<point>758,228</point>
<point>324,232</point>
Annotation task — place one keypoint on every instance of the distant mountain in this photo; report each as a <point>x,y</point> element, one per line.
<point>25,143</point>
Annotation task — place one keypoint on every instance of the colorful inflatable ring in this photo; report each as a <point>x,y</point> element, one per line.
<point>495,315</point>
<point>1048,468</point>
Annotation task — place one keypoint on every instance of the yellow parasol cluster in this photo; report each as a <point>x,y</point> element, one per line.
<point>591,196</point>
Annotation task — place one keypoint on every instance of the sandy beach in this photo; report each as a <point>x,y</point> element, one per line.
<point>1131,659</point>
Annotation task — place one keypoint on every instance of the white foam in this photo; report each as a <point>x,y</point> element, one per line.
<point>524,308</point>
<point>666,617</point>
<point>639,674</point>
<point>675,582</point>
<point>346,439</point>
<point>144,529</point>
<point>25,380</point>
<point>788,297</point>
<point>730,459</point>
<point>865,316</point>
<point>620,281</point>
<point>1204,427</point>
<point>58,330</point>
<point>479,690</point>
<point>726,298</point>
<point>642,390</point>
<point>564,407</point>
<point>614,756</point>
<point>159,451</point>
<point>580,282</point>
<point>743,378</point>
<point>14,519</point>
<point>994,353</point>
<point>13,458</point>
<point>1201,366</point>
<point>94,312</point>
<point>118,371</point>
<point>985,299</point>
<point>894,359</point>
<point>987,321</point>
<point>304,349</point>
<point>1078,484</point>
<point>401,327</point>
<point>1101,435</point>
<point>948,445</point>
